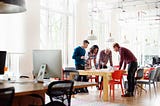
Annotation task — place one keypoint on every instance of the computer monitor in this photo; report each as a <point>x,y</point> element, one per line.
<point>2,61</point>
<point>51,60</point>
<point>156,60</point>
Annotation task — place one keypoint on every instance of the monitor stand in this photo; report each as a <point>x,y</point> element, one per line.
<point>41,73</point>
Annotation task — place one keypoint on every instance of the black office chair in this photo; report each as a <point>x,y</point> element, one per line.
<point>55,103</point>
<point>6,96</point>
<point>61,90</point>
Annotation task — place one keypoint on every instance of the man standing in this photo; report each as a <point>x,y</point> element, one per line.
<point>104,57</point>
<point>127,57</point>
<point>79,57</point>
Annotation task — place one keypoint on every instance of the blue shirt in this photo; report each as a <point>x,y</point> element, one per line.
<point>78,52</point>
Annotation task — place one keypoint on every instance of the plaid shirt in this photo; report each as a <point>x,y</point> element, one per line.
<point>104,58</point>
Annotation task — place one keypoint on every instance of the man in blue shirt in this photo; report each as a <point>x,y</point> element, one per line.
<point>79,57</point>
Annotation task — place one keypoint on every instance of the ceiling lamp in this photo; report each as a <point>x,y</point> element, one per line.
<point>147,42</point>
<point>12,6</point>
<point>110,39</point>
<point>125,41</point>
<point>91,37</point>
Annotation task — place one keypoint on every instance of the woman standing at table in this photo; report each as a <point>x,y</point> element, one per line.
<point>92,55</point>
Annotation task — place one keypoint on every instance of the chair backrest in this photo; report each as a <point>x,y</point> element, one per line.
<point>6,96</point>
<point>147,72</point>
<point>152,75</point>
<point>157,75</point>
<point>55,103</point>
<point>139,73</point>
<point>58,88</point>
<point>117,75</point>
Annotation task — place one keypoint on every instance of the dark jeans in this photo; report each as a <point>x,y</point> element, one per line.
<point>81,77</point>
<point>101,66</point>
<point>132,67</point>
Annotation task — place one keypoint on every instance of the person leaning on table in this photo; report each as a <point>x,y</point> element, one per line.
<point>104,57</point>
<point>127,57</point>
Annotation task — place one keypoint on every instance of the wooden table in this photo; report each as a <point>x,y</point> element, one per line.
<point>104,73</point>
<point>23,89</point>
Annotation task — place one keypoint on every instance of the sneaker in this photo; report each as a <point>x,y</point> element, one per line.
<point>128,94</point>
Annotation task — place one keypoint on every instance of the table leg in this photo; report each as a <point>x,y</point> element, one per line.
<point>105,87</point>
<point>71,75</point>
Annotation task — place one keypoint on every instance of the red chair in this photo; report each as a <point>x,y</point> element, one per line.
<point>116,79</point>
<point>96,78</point>
<point>146,73</point>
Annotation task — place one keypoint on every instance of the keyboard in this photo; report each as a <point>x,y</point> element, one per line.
<point>21,80</point>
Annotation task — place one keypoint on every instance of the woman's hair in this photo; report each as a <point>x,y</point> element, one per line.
<point>93,48</point>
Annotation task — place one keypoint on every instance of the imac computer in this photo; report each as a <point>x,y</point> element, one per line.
<point>2,61</point>
<point>47,64</point>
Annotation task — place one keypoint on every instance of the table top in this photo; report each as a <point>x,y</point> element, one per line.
<point>25,88</point>
<point>95,72</point>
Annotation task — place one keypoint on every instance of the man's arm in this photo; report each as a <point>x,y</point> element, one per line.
<point>121,59</point>
<point>110,59</point>
<point>75,55</point>
<point>100,59</point>
<point>125,64</point>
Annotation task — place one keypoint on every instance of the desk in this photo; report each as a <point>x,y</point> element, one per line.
<point>104,73</point>
<point>26,88</point>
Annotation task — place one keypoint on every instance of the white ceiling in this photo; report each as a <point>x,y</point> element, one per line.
<point>149,10</point>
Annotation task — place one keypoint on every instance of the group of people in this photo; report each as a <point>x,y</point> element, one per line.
<point>83,62</point>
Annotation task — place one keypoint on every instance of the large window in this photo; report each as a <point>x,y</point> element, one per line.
<point>142,30</point>
<point>57,27</point>
<point>12,40</point>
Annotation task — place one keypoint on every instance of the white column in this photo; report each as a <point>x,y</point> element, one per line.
<point>32,35</point>
<point>81,21</point>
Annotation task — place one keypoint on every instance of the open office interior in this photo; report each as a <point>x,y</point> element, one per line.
<point>64,25</point>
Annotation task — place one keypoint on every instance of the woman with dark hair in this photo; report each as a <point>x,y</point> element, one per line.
<point>92,55</point>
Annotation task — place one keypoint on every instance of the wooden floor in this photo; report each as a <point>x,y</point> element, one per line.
<point>143,100</point>
<point>92,99</point>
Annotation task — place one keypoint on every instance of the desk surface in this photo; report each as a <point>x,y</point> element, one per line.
<point>31,87</point>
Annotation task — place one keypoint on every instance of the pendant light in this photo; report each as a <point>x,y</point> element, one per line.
<point>110,39</point>
<point>12,6</point>
<point>125,41</point>
<point>91,36</point>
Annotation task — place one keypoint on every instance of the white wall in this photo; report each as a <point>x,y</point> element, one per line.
<point>32,35</point>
